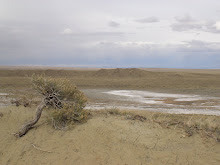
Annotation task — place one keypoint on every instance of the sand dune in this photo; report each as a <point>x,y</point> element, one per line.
<point>102,140</point>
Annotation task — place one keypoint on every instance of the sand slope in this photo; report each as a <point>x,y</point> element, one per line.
<point>102,140</point>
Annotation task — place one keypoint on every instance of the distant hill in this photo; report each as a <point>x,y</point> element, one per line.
<point>122,72</point>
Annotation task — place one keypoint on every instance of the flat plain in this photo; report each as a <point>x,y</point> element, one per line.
<point>114,136</point>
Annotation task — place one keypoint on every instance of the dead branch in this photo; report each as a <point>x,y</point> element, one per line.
<point>31,123</point>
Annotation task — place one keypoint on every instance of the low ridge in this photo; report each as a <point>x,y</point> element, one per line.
<point>122,72</point>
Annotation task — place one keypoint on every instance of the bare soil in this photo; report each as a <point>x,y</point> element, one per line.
<point>103,139</point>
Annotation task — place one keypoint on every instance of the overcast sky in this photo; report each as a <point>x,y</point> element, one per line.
<point>110,33</point>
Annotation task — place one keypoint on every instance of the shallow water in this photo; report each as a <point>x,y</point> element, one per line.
<point>153,97</point>
<point>153,101</point>
<point>215,112</point>
<point>145,100</point>
<point>3,94</point>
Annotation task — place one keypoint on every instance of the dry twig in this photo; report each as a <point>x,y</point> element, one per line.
<point>40,149</point>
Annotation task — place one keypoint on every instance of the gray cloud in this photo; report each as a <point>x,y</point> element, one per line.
<point>113,24</point>
<point>187,23</point>
<point>213,27</point>
<point>94,35</point>
<point>200,47</point>
<point>148,20</point>
<point>185,19</point>
<point>189,54</point>
<point>185,46</point>
<point>76,33</point>
<point>105,33</point>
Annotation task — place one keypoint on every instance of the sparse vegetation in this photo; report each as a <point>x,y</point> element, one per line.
<point>206,126</point>
<point>128,115</point>
<point>189,81</point>
<point>113,111</point>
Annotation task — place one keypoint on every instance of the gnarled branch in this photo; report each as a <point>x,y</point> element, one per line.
<point>31,123</point>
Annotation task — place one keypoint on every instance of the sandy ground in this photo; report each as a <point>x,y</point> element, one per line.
<point>104,139</point>
<point>210,71</point>
<point>109,139</point>
<point>45,67</point>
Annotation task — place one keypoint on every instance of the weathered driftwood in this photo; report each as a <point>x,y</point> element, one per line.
<point>31,123</point>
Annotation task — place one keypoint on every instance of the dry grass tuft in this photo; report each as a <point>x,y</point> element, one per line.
<point>206,126</point>
<point>128,115</point>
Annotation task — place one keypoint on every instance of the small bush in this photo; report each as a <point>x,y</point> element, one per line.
<point>67,115</point>
<point>60,94</point>
<point>65,99</point>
